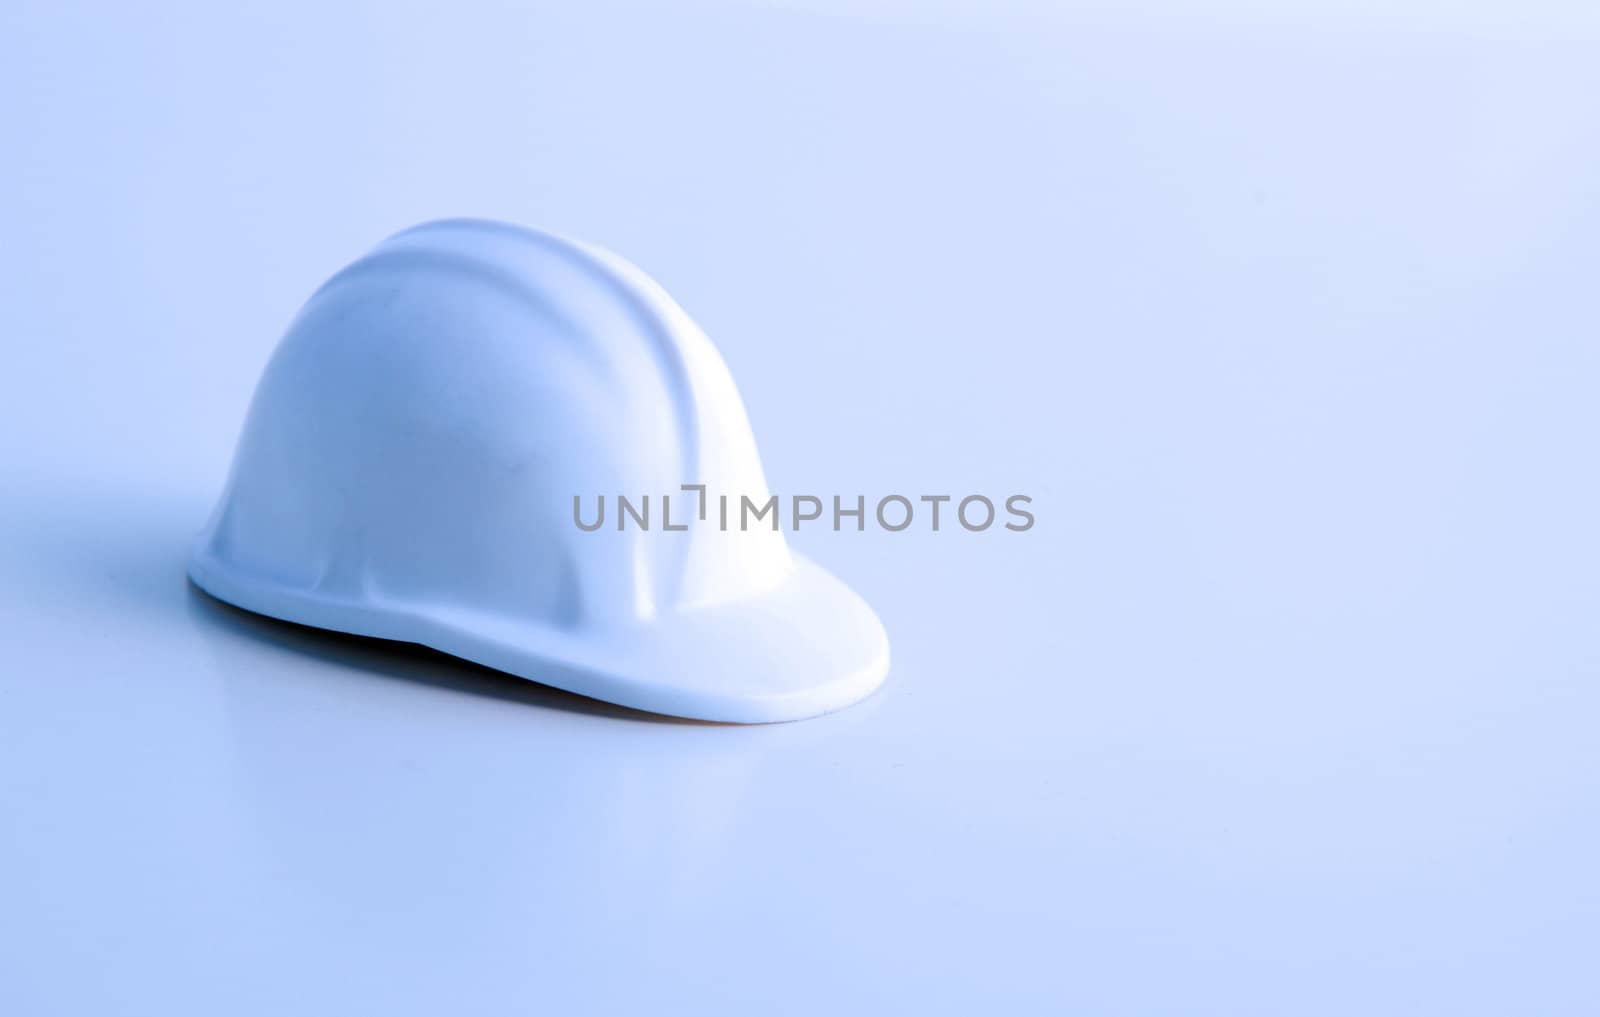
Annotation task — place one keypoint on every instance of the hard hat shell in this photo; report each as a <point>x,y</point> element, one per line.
<point>409,464</point>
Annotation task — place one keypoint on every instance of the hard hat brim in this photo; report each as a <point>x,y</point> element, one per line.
<point>808,646</point>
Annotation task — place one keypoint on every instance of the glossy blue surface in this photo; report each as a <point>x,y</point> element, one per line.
<point>1285,706</point>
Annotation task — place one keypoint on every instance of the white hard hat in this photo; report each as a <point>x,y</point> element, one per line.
<point>410,461</point>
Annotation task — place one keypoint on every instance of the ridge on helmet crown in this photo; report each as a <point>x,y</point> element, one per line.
<point>420,433</point>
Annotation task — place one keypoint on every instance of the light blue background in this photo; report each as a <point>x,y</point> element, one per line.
<point>1287,319</point>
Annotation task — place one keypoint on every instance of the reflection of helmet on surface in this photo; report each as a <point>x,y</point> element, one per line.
<point>409,463</point>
